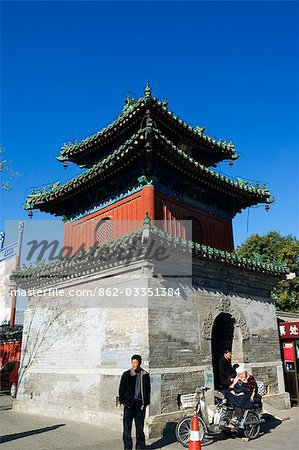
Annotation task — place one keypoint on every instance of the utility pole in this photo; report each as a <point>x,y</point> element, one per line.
<point>18,259</point>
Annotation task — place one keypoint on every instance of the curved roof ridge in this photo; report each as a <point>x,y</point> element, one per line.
<point>71,146</point>
<point>130,108</point>
<point>56,186</point>
<point>199,131</point>
<point>239,183</point>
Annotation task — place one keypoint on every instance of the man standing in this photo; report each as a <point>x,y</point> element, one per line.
<point>226,371</point>
<point>134,394</point>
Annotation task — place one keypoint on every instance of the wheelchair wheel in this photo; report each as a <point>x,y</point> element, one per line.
<point>253,429</point>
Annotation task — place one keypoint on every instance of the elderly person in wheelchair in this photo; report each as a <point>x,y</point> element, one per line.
<point>241,393</point>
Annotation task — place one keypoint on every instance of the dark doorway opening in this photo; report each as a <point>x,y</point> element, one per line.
<point>196,230</point>
<point>222,339</point>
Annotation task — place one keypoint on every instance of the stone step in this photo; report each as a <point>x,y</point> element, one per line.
<point>282,414</point>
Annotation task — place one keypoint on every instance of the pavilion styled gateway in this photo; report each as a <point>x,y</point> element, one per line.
<point>148,175</point>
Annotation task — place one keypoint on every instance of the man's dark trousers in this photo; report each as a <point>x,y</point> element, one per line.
<point>138,413</point>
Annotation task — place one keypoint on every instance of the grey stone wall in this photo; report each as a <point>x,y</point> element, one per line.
<point>180,329</point>
<point>76,348</point>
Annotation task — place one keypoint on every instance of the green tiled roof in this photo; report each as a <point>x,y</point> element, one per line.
<point>56,190</point>
<point>130,111</point>
<point>127,149</point>
<point>127,113</point>
<point>238,184</point>
<point>223,145</point>
<point>74,266</point>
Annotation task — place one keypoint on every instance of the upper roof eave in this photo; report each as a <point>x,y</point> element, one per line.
<point>222,146</point>
<point>239,187</point>
<point>56,189</point>
<point>73,151</point>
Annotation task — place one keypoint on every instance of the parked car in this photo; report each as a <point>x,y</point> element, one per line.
<point>9,377</point>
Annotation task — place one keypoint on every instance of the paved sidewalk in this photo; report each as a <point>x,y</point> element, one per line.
<point>30,432</point>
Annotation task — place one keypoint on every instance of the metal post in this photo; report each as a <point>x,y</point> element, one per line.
<point>18,259</point>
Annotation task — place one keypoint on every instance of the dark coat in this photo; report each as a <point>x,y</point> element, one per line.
<point>226,371</point>
<point>241,402</point>
<point>127,387</point>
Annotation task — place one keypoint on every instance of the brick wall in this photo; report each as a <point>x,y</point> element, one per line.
<point>75,349</point>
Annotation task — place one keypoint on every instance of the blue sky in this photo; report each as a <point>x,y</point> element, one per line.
<point>229,66</point>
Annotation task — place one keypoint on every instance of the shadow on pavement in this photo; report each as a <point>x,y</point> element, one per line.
<point>270,423</point>
<point>167,439</point>
<point>5,408</point>
<point>12,437</point>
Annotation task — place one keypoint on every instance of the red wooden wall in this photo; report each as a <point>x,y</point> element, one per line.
<point>215,231</point>
<point>128,214</point>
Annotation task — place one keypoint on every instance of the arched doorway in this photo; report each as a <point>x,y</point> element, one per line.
<point>222,338</point>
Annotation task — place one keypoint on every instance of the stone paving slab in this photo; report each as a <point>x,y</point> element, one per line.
<point>31,432</point>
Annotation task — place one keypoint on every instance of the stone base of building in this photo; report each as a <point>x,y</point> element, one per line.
<point>100,418</point>
<point>154,425</point>
<point>278,401</point>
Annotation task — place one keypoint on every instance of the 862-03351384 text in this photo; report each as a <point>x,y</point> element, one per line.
<point>138,292</point>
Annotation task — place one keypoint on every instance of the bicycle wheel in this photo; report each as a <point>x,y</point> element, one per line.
<point>253,429</point>
<point>183,428</point>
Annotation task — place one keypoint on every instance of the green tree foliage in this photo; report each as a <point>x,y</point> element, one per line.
<point>277,249</point>
<point>6,172</point>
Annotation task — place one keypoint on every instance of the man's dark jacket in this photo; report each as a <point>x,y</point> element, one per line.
<point>127,388</point>
<point>226,371</point>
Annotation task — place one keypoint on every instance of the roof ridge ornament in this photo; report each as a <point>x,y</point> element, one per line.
<point>147,219</point>
<point>200,130</point>
<point>147,90</point>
